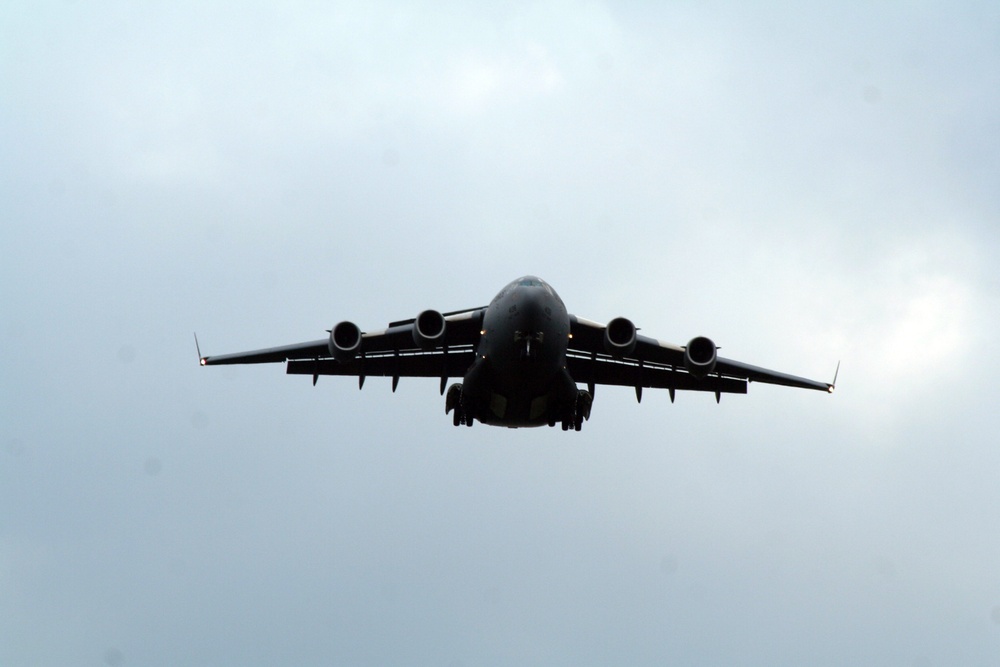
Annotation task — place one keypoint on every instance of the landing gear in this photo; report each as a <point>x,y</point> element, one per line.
<point>584,401</point>
<point>453,402</point>
<point>580,412</point>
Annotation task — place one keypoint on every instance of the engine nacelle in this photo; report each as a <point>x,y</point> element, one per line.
<point>700,356</point>
<point>619,337</point>
<point>428,329</point>
<point>345,341</point>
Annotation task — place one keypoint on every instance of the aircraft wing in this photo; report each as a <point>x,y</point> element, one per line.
<point>402,350</point>
<point>655,364</point>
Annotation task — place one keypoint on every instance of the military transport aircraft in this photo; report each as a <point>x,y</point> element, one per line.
<point>520,358</point>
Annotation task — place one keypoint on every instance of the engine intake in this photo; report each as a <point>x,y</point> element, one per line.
<point>428,329</point>
<point>345,341</point>
<point>619,337</point>
<point>700,356</point>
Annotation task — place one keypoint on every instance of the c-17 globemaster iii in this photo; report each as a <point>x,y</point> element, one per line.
<point>521,359</point>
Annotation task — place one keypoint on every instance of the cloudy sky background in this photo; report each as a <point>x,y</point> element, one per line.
<point>801,182</point>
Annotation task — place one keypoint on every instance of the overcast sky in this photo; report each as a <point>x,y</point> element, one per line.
<point>803,182</point>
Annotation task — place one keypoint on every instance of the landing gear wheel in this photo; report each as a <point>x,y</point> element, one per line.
<point>453,402</point>
<point>578,413</point>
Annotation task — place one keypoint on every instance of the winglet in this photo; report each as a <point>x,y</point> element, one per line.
<point>833,385</point>
<point>201,360</point>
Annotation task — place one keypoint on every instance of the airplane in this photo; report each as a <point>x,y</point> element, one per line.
<point>520,359</point>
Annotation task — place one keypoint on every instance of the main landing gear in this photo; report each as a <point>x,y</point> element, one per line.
<point>453,402</point>
<point>574,418</point>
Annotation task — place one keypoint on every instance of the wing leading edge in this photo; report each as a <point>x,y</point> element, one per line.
<point>404,349</point>
<point>401,350</point>
<point>639,361</point>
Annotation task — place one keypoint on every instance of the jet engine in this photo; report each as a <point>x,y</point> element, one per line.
<point>428,329</point>
<point>345,341</point>
<point>699,356</point>
<point>619,337</point>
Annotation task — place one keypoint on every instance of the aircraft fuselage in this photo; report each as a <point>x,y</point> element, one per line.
<point>519,377</point>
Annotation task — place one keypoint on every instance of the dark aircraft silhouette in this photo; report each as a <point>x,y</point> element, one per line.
<point>520,358</point>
